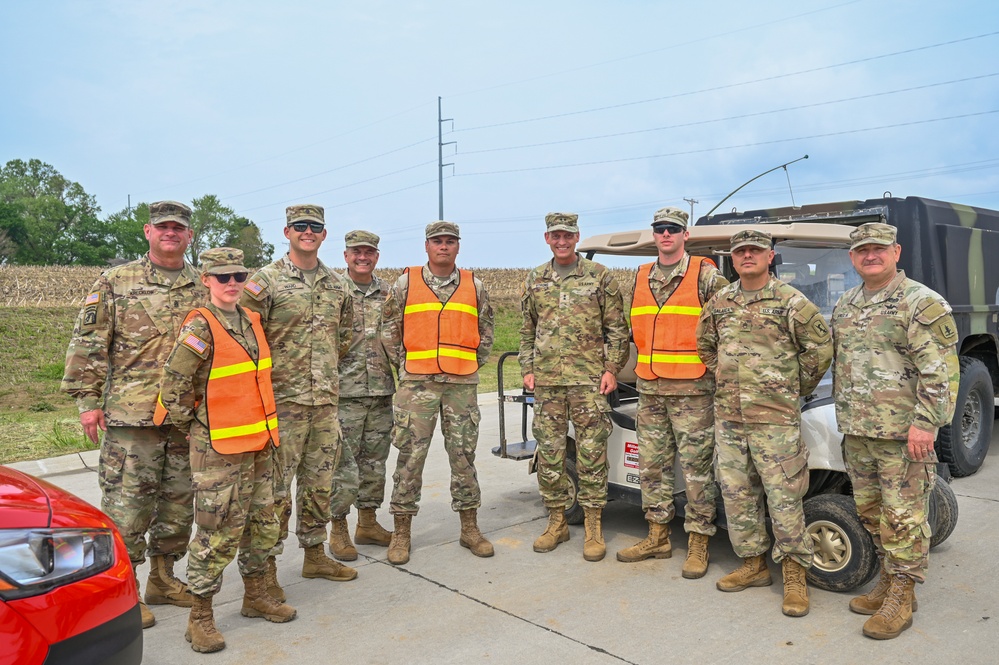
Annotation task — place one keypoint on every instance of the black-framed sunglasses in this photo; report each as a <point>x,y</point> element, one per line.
<point>300,227</point>
<point>240,277</point>
<point>673,229</point>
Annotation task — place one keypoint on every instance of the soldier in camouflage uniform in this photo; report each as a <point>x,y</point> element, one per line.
<point>895,383</point>
<point>234,490</point>
<point>127,326</point>
<point>420,397</point>
<point>767,345</point>
<point>366,388</point>
<point>675,414</point>
<point>573,342</point>
<point>307,314</point>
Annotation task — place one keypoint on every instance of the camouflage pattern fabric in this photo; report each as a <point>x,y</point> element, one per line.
<point>310,450</point>
<point>234,507</point>
<point>145,480</point>
<point>757,461</point>
<point>589,412</point>
<point>365,370</point>
<point>444,287</point>
<point>308,328</point>
<point>896,362</point>
<point>574,328</point>
<point>668,425</point>
<point>766,350</point>
<point>892,493</point>
<point>126,329</point>
<point>359,479</point>
<point>417,404</point>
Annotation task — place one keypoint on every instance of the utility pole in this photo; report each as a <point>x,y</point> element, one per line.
<point>440,159</point>
<point>691,202</point>
<point>129,204</point>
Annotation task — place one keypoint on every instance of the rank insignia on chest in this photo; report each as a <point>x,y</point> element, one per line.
<point>253,287</point>
<point>195,343</point>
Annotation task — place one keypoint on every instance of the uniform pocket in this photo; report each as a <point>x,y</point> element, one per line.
<point>400,422</point>
<point>213,506</point>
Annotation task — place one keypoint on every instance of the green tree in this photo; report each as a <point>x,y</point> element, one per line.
<point>256,252</point>
<point>126,231</point>
<point>214,224</point>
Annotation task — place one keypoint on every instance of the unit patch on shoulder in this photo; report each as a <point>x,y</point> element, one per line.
<point>93,298</point>
<point>196,344</point>
<point>253,287</point>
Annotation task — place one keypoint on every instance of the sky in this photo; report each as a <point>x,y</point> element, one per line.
<point>609,110</point>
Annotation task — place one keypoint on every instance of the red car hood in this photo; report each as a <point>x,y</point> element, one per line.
<point>24,502</point>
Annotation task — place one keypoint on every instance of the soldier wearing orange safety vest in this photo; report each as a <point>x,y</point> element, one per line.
<point>216,385</point>
<point>675,411</point>
<point>438,330</point>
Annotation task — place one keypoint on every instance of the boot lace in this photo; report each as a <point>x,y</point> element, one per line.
<point>894,598</point>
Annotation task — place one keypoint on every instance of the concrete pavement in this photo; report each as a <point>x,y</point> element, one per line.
<point>447,606</point>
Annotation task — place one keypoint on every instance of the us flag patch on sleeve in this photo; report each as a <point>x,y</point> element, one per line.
<point>195,343</point>
<point>93,298</point>
<point>253,287</point>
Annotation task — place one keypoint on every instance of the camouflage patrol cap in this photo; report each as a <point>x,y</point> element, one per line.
<point>670,215</point>
<point>752,237</point>
<point>221,261</point>
<point>169,211</point>
<point>361,239</point>
<point>562,221</point>
<point>442,228</point>
<point>872,233</point>
<point>307,212</point>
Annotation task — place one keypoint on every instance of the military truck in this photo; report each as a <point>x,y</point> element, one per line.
<point>951,248</point>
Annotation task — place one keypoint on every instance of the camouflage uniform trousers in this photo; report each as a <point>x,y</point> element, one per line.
<point>233,507</point>
<point>684,424</point>
<point>417,404</point>
<point>589,412</point>
<point>754,459</point>
<point>366,423</point>
<point>309,451</point>
<point>145,480</point>
<point>892,493</point>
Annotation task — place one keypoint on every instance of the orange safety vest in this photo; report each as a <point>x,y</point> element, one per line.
<point>665,335</point>
<point>242,415</point>
<point>441,338</point>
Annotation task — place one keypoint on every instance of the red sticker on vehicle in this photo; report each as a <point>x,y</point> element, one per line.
<point>631,455</point>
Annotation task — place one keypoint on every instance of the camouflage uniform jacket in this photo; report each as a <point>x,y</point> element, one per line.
<point>365,370</point>
<point>766,351</point>
<point>185,375</point>
<point>125,331</point>
<point>709,281</point>
<point>895,361</point>
<point>308,328</point>
<point>574,328</point>
<point>442,286</point>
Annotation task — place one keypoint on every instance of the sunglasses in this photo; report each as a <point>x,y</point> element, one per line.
<point>673,229</point>
<point>300,227</point>
<point>240,277</point>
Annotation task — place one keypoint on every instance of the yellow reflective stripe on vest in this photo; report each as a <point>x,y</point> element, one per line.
<point>671,309</point>
<point>421,355</point>
<point>642,311</point>
<point>456,353</point>
<point>238,368</point>
<point>242,430</point>
<point>460,307</point>
<point>665,358</point>
<point>424,307</point>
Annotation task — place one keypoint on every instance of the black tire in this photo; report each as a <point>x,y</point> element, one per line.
<point>943,512</point>
<point>845,557</point>
<point>964,443</point>
<point>574,513</point>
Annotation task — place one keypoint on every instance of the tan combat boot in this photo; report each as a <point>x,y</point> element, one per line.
<point>340,544</point>
<point>895,613</point>
<point>398,551</point>
<point>556,532</point>
<point>258,603</point>
<point>871,601</point>
<point>201,631</point>
<point>593,546</point>
<point>317,564</point>
<point>369,531</point>
<point>696,563</point>
<point>274,589</point>
<point>795,588</point>
<point>752,572</point>
<point>655,546</point>
<point>471,537</point>
<point>148,620</point>
<point>163,588</point>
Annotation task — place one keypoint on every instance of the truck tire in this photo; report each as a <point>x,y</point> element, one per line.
<point>943,512</point>
<point>844,554</point>
<point>964,443</point>
<point>574,513</point>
